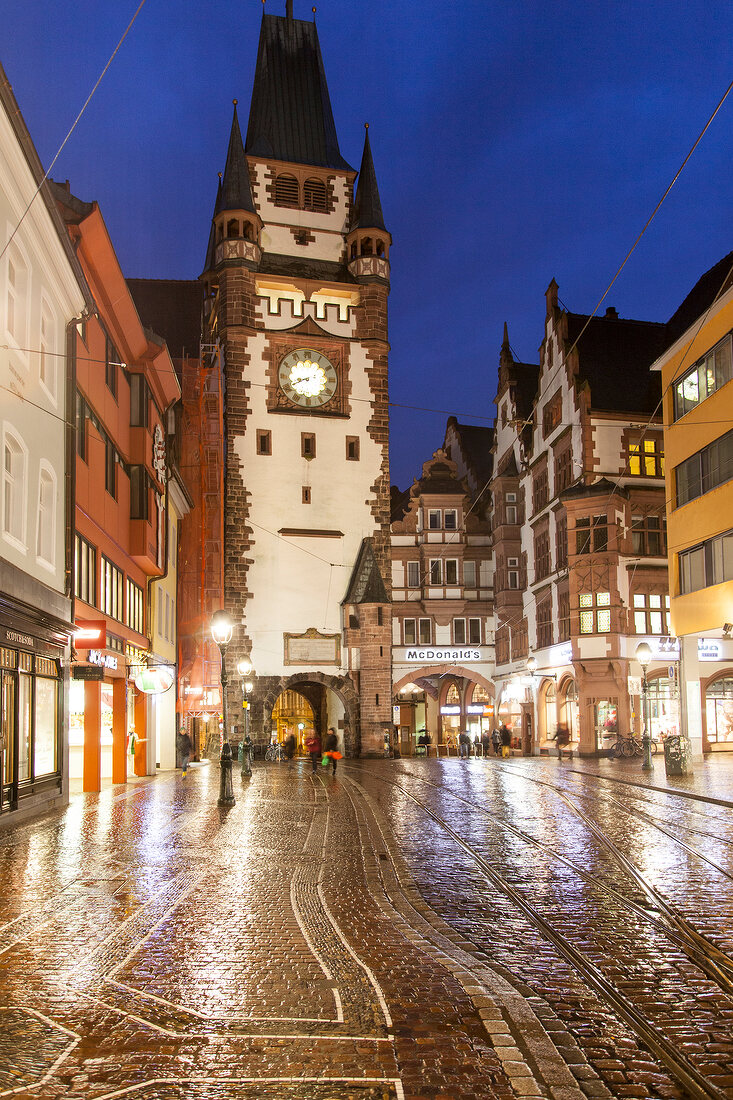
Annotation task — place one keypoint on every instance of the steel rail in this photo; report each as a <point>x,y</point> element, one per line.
<point>686,1072</point>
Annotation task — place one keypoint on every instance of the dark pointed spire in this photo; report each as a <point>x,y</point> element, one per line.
<point>367,207</point>
<point>209,262</point>
<point>236,191</point>
<point>290,117</point>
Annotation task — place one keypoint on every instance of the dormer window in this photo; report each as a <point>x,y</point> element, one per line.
<point>287,192</point>
<point>314,196</point>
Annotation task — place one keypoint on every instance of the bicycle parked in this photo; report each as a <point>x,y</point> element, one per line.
<point>630,746</point>
<point>275,752</point>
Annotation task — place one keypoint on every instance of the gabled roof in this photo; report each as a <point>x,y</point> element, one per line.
<point>476,442</point>
<point>366,584</point>
<point>712,284</point>
<point>290,116</point>
<point>236,191</point>
<point>367,205</point>
<point>614,357</point>
<point>522,376</point>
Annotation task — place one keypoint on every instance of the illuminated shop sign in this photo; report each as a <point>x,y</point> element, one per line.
<point>708,649</point>
<point>453,709</point>
<point>449,653</point>
<point>106,660</point>
<point>479,708</point>
<point>89,633</point>
<point>155,680</point>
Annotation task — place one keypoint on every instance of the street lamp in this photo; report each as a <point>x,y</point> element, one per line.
<point>221,631</point>
<point>644,656</point>
<point>244,668</point>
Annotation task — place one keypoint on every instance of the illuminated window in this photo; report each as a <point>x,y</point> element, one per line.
<point>135,608</point>
<point>85,571</point>
<point>111,602</point>
<point>595,612</point>
<point>646,457</point>
<point>708,375</point>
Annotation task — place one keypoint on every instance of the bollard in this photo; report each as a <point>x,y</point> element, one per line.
<point>677,756</point>
<point>226,790</point>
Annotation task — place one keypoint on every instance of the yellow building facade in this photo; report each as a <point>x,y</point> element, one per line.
<point>697,384</point>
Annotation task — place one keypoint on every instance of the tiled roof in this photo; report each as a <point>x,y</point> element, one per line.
<point>236,191</point>
<point>171,307</point>
<point>290,117</point>
<point>714,282</point>
<point>367,205</point>
<point>614,356</point>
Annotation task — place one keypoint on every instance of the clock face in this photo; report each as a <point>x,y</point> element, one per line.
<point>307,378</point>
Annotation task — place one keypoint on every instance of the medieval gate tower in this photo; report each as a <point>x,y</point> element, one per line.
<point>296,283</point>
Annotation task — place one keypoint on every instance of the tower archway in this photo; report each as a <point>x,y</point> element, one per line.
<point>332,701</point>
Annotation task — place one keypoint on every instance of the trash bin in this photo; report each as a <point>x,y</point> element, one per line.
<point>676,759</point>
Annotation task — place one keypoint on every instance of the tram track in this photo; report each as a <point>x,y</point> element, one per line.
<point>699,948</point>
<point>713,962</point>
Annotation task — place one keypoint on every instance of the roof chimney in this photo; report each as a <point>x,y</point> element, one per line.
<point>611,313</point>
<point>288,9</point>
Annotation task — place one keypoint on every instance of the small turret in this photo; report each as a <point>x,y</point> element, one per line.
<point>368,241</point>
<point>237,224</point>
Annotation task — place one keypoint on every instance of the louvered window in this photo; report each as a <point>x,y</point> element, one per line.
<point>287,191</point>
<point>314,195</point>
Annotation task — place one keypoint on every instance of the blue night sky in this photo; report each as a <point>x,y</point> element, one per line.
<point>512,143</point>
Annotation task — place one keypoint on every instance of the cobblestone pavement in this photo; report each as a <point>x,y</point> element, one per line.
<point>353,938</point>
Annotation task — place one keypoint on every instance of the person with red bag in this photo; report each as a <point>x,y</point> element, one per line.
<point>331,748</point>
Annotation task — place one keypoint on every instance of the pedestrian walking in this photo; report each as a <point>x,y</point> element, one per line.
<point>313,745</point>
<point>485,742</point>
<point>289,747</point>
<point>562,739</point>
<point>464,742</point>
<point>506,739</point>
<point>496,741</point>
<point>184,747</point>
<point>331,748</point>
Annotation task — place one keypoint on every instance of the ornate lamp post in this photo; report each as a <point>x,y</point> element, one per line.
<point>644,656</point>
<point>221,631</point>
<point>244,668</point>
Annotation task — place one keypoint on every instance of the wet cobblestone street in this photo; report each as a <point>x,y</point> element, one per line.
<point>410,929</point>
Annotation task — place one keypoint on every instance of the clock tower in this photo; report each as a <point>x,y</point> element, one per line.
<point>296,283</point>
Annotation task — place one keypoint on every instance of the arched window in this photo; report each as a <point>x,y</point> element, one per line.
<point>16,291</point>
<point>480,694</point>
<point>314,196</point>
<point>452,695</point>
<point>233,228</point>
<point>287,192</point>
<point>47,350</point>
<point>367,246</point>
<point>249,233</point>
<point>14,486</point>
<point>46,529</point>
<point>380,248</point>
<point>719,711</point>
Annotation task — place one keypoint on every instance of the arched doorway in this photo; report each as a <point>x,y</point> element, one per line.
<point>332,700</point>
<point>567,710</point>
<point>450,717</point>
<point>719,714</point>
<point>292,713</point>
<point>479,711</point>
<point>664,707</point>
<point>548,714</point>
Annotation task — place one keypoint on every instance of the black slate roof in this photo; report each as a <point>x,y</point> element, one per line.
<point>367,205</point>
<point>290,116</point>
<point>171,307</point>
<point>366,584</point>
<point>614,356</point>
<point>714,282</point>
<point>236,191</point>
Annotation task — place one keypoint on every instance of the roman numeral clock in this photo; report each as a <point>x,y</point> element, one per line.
<point>307,378</point>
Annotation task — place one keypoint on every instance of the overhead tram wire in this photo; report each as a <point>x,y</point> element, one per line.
<point>73,127</point>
